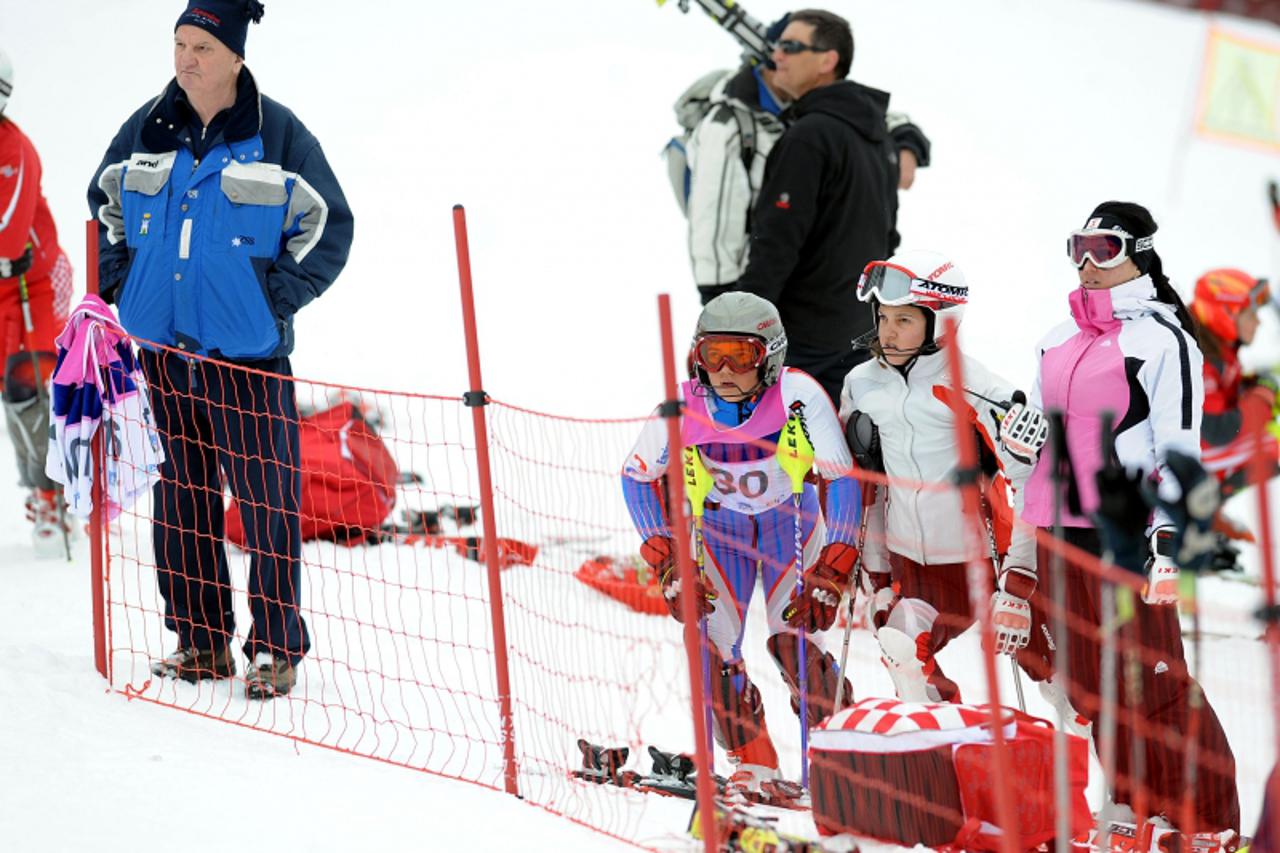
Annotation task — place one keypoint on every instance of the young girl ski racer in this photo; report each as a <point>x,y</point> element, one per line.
<point>1226,308</point>
<point>1129,351</point>
<point>736,406</point>
<point>898,410</point>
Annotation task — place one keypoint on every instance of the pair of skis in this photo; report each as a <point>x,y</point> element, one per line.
<point>673,774</point>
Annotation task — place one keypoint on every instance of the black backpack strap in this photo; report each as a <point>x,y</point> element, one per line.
<point>747,132</point>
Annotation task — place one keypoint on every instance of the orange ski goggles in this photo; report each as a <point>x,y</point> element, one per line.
<point>740,353</point>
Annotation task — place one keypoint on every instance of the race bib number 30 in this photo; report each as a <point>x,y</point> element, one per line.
<point>749,487</point>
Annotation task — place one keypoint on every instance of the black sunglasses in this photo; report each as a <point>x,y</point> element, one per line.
<point>791,47</point>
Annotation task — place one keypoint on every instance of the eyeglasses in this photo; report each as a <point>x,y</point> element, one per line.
<point>739,353</point>
<point>890,284</point>
<point>1106,247</point>
<point>791,47</point>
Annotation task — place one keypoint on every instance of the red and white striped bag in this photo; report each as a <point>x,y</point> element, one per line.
<point>921,773</point>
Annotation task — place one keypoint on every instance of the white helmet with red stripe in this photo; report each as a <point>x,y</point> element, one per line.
<point>928,280</point>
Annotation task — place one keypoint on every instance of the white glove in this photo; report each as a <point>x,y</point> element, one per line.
<point>1162,571</point>
<point>1023,431</point>
<point>878,588</point>
<point>1011,610</point>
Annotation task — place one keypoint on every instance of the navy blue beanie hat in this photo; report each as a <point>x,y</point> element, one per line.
<point>226,20</point>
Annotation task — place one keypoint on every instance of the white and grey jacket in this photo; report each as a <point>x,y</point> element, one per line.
<point>920,514</point>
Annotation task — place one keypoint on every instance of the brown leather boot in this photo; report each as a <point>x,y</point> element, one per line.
<point>269,677</point>
<point>192,664</point>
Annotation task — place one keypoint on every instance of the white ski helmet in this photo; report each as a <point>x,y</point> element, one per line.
<point>6,79</point>
<point>928,280</point>
<point>745,315</point>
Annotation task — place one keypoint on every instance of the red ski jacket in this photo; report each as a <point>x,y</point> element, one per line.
<point>24,214</point>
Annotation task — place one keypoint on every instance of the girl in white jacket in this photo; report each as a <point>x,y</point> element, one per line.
<point>898,414</point>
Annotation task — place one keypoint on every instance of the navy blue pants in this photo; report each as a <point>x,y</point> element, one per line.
<point>222,422</point>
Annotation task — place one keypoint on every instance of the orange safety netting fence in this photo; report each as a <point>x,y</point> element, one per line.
<point>401,665</point>
<point>423,592</point>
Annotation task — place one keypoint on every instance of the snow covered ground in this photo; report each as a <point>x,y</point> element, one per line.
<point>546,121</point>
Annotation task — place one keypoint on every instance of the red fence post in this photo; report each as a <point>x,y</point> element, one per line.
<point>688,606</point>
<point>476,398</point>
<point>1259,472</point>
<point>980,594</point>
<point>97,554</point>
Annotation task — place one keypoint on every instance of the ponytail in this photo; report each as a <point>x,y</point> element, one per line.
<point>1166,294</point>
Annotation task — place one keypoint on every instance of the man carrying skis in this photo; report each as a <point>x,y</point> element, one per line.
<point>737,405</point>
<point>829,202</point>
<point>727,152</point>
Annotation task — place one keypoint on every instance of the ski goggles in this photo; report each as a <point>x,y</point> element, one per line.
<point>890,284</point>
<point>739,353</point>
<point>1259,294</point>
<point>1106,247</point>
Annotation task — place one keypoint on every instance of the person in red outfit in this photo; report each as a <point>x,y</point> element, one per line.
<point>1226,308</point>
<point>30,255</point>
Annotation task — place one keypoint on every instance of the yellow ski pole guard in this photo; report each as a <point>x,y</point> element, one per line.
<point>795,452</point>
<point>697,481</point>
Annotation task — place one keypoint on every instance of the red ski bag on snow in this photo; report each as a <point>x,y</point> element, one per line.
<point>917,773</point>
<point>348,479</point>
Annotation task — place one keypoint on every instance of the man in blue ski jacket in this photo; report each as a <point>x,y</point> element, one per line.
<point>219,218</point>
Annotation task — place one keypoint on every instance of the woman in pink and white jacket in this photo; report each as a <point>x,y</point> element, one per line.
<point>1129,350</point>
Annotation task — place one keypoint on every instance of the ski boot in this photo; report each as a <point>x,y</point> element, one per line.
<point>51,529</point>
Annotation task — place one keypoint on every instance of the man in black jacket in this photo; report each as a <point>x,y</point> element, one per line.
<point>829,200</point>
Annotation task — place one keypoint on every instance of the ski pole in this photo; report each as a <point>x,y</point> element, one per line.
<point>697,481</point>
<point>1111,619</point>
<point>1061,473</point>
<point>795,455</point>
<point>995,561</point>
<point>1107,714</point>
<point>853,595</point>
<point>1195,700</point>
<point>42,400</point>
<point>1273,197</point>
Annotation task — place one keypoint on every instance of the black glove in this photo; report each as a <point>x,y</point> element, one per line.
<point>17,266</point>
<point>1225,557</point>
<point>1195,543</point>
<point>660,552</point>
<point>1122,514</point>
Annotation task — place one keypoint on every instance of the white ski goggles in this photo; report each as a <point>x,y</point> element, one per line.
<point>890,284</point>
<point>1106,247</point>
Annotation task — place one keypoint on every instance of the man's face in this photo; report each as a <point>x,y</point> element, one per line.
<point>798,73</point>
<point>204,66</point>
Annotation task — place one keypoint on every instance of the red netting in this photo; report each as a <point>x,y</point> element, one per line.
<point>401,666</point>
